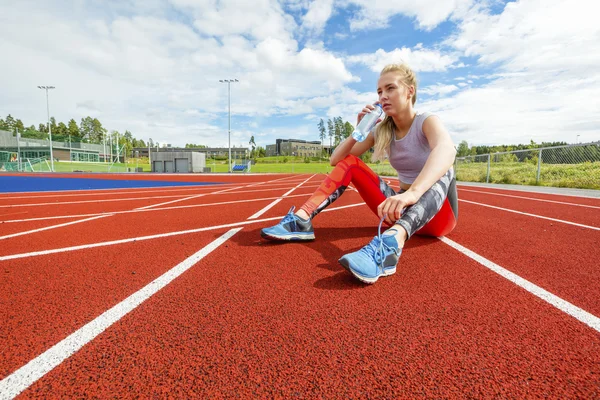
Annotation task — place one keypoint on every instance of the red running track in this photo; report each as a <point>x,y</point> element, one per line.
<point>257,319</point>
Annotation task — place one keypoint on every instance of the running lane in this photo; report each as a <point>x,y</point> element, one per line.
<point>256,319</point>
<point>560,258</point>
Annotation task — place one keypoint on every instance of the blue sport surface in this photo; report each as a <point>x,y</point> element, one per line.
<point>10,184</point>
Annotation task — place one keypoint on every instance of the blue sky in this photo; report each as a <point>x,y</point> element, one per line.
<point>496,72</point>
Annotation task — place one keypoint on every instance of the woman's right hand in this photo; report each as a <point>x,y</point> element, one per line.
<point>368,108</point>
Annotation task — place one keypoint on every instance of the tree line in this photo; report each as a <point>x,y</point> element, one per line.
<point>89,130</point>
<point>337,130</point>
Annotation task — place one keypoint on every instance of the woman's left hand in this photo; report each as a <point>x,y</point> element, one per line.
<point>391,208</point>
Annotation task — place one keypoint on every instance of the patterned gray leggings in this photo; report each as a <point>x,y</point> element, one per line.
<point>419,214</point>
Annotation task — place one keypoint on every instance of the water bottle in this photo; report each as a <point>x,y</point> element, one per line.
<point>367,123</point>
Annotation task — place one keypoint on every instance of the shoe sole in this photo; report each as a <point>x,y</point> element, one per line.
<point>366,279</point>
<point>289,238</point>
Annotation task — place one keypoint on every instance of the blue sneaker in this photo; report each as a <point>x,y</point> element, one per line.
<point>378,258</point>
<point>290,228</point>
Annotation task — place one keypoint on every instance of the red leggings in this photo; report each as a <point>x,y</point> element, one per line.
<point>433,217</point>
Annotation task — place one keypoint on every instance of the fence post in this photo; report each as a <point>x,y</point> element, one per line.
<point>487,179</point>
<point>537,178</point>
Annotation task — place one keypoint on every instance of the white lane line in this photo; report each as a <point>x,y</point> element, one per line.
<point>156,236</point>
<point>52,227</point>
<point>98,201</point>
<point>581,315</point>
<point>111,214</point>
<point>185,198</point>
<point>147,210</point>
<point>21,379</point>
<point>161,189</point>
<point>530,198</point>
<point>532,215</point>
<point>15,383</point>
<point>267,208</point>
<point>516,188</point>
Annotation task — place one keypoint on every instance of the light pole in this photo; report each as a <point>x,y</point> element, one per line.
<point>229,81</point>
<point>577,140</point>
<point>46,88</point>
<point>18,151</point>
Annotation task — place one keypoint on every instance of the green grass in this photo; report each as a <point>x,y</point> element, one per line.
<point>583,176</point>
<point>66,166</point>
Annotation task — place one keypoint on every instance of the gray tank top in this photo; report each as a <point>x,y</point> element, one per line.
<point>408,155</point>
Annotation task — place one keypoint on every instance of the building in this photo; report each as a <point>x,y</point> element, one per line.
<point>62,151</point>
<point>210,152</point>
<point>294,147</point>
<point>179,161</point>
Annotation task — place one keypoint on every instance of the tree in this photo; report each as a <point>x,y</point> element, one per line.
<point>322,135</point>
<point>348,129</point>
<point>61,130</point>
<point>53,124</point>
<point>128,139</point>
<point>463,149</point>
<point>73,130</point>
<point>330,131</point>
<point>42,128</point>
<point>98,131</point>
<point>19,125</point>
<point>253,144</point>
<point>10,123</point>
<point>86,128</point>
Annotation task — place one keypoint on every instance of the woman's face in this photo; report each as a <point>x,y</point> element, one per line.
<point>394,95</point>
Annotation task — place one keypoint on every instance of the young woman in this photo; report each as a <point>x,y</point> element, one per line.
<point>419,148</point>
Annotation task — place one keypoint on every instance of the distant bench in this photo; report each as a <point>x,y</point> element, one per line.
<point>239,168</point>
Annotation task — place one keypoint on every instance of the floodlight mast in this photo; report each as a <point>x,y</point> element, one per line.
<point>46,88</point>
<point>229,82</point>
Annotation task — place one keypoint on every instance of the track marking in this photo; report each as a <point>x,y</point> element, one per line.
<point>15,383</point>
<point>104,192</point>
<point>147,210</point>
<point>21,379</point>
<point>581,315</point>
<point>267,208</point>
<point>157,236</point>
<point>137,198</point>
<point>517,188</point>
<point>52,227</point>
<point>111,214</point>
<point>531,198</point>
<point>532,215</point>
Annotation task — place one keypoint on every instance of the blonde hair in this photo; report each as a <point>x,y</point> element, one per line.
<point>385,130</point>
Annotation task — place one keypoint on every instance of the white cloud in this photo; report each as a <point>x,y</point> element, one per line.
<point>375,14</point>
<point>153,66</point>
<point>317,15</point>
<point>418,58</point>
<point>145,72</point>
<point>438,89</point>
<point>546,54</point>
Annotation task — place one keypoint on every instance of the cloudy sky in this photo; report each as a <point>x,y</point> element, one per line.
<point>496,72</point>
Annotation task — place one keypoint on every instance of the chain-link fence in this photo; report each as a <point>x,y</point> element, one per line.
<point>573,166</point>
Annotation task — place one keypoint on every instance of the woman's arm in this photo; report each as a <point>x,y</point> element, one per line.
<point>438,162</point>
<point>440,159</point>
<point>351,146</point>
